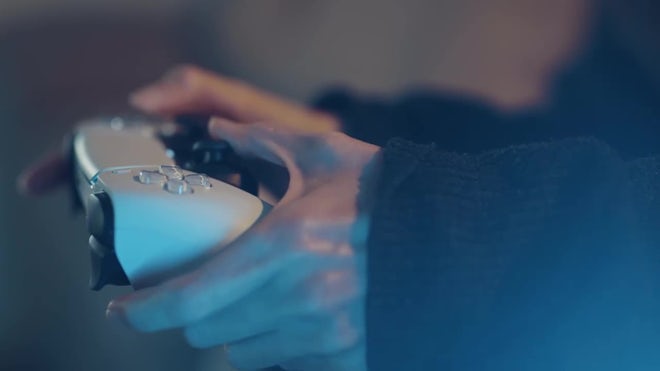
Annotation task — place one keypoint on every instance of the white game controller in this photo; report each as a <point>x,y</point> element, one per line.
<point>148,218</point>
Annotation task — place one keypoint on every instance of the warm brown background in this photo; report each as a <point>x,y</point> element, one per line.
<point>61,61</point>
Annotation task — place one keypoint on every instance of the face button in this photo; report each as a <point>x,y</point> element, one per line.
<point>198,180</point>
<point>151,177</point>
<point>178,187</point>
<point>171,172</point>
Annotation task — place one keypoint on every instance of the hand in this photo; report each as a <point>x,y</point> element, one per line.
<point>291,290</point>
<point>191,90</point>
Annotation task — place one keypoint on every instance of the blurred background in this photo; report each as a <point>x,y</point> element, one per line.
<point>66,60</point>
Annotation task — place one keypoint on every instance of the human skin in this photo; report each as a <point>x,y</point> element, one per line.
<point>188,89</point>
<point>291,290</point>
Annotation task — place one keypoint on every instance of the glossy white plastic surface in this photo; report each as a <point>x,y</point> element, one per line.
<point>158,233</point>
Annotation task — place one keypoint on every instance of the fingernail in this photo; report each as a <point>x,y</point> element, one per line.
<point>111,310</point>
<point>114,312</point>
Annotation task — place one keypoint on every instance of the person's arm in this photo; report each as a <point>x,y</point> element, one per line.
<point>522,258</point>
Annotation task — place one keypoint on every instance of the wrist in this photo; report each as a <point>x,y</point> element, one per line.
<point>366,196</point>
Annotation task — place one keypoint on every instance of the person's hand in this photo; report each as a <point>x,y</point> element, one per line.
<point>290,291</point>
<point>191,90</point>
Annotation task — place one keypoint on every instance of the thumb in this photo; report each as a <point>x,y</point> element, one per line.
<point>192,90</point>
<point>252,140</point>
<point>275,143</point>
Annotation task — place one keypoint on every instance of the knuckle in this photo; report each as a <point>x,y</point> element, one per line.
<point>315,300</point>
<point>337,335</point>
<point>326,295</point>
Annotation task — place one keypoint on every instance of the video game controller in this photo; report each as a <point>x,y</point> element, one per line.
<point>150,212</point>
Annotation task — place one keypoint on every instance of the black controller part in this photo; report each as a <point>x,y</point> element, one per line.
<point>106,269</point>
<point>195,150</point>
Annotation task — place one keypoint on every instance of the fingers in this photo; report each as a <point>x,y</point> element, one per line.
<point>253,140</point>
<point>324,152</point>
<point>276,144</point>
<point>188,89</point>
<point>258,313</point>
<point>45,175</point>
<point>283,302</point>
<point>184,89</point>
<point>236,272</point>
<point>300,341</point>
<point>266,350</point>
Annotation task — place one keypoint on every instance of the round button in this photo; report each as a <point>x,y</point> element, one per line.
<point>198,180</point>
<point>178,187</point>
<point>151,177</point>
<point>171,172</point>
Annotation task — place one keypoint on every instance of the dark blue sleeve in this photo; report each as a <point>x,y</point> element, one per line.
<point>453,122</point>
<point>422,116</point>
<point>530,257</point>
